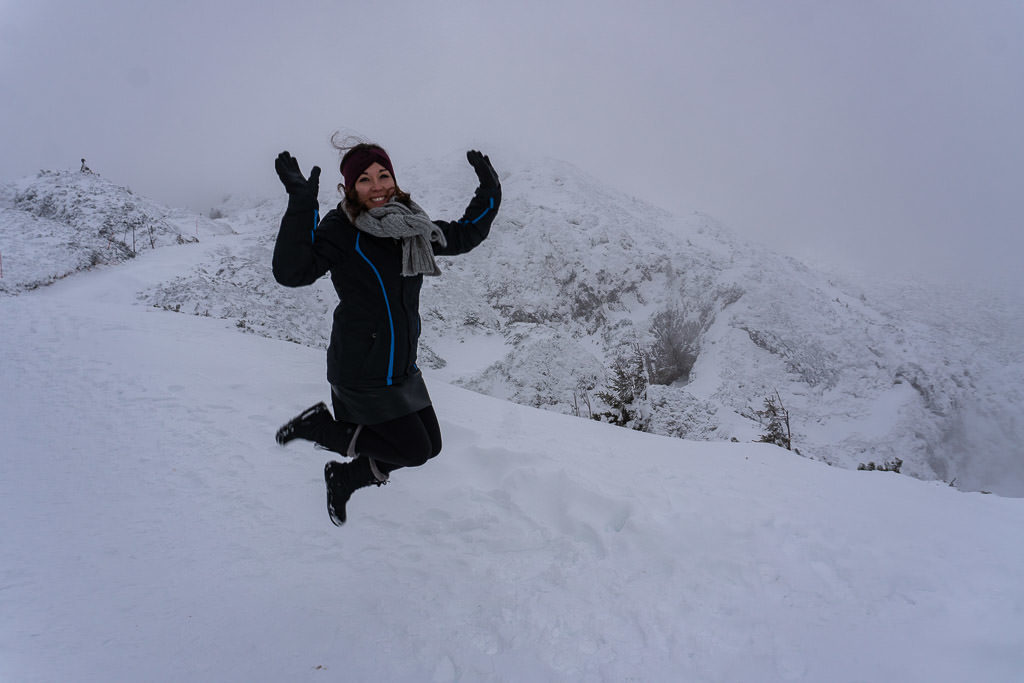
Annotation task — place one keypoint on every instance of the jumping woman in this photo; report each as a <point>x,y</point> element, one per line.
<point>377,245</point>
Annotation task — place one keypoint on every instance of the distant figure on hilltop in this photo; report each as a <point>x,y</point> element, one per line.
<point>85,169</point>
<point>377,245</point>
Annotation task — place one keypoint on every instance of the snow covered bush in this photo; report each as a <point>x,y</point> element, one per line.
<point>625,390</point>
<point>775,419</point>
<point>893,465</point>
<point>674,411</point>
<point>545,369</point>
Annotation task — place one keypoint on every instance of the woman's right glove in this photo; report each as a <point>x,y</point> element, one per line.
<point>484,171</point>
<point>288,171</point>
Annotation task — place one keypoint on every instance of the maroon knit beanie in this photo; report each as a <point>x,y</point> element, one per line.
<point>359,160</point>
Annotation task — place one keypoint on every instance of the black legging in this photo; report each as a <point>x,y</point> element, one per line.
<point>407,441</point>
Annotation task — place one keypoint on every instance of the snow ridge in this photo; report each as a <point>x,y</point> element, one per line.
<point>62,222</point>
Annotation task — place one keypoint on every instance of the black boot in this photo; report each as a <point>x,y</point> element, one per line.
<point>304,425</point>
<point>343,479</point>
<point>318,425</point>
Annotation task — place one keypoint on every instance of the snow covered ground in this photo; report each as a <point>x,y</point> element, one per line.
<point>150,529</point>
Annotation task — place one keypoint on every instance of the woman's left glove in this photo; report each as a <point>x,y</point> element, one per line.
<point>484,171</point>
<point>288,171</point>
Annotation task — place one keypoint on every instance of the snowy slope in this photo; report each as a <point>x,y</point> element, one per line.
<point>152,530</point>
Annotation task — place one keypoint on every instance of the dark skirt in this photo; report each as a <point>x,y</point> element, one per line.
<point>373,405</point>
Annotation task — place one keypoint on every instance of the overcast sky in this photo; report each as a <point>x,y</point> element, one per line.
<point>883,135</point>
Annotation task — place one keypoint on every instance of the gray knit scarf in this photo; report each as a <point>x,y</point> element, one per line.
<point>410,224</point>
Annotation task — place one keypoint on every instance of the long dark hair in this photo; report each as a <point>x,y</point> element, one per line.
<point>347,145</point>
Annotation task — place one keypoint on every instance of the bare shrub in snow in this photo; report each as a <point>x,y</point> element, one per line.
<point>675,347</point>
<point>775,419</point>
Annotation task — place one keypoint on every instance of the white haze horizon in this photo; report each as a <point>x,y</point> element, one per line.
<point>881,138</point>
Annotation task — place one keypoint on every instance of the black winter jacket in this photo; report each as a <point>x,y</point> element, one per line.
<point>377,323</point>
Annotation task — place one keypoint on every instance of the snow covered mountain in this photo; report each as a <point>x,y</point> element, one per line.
<point>61,222</point>
<point>150,528</point>
<point>576,277</point>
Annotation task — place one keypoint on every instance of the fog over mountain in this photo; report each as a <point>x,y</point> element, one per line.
<point>869,136</point>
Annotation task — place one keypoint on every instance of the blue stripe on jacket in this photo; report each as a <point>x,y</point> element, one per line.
<point>387,304</point>
<point>486,211</point>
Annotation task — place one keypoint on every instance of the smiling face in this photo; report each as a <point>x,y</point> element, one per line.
<point>375,186</point>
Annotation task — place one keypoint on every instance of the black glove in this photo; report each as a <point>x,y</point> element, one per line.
<point>288,171</point>
<point>484,171</point>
